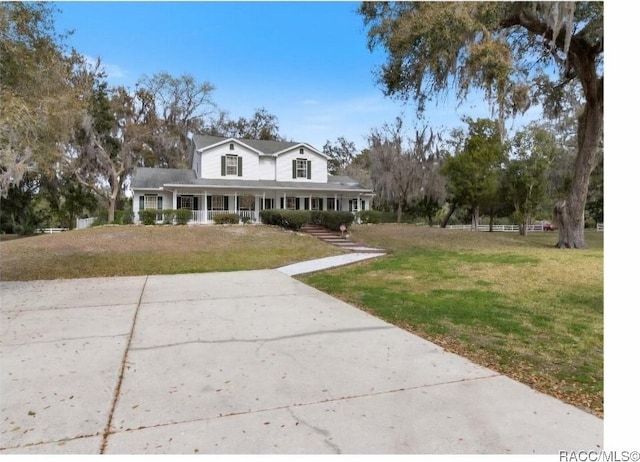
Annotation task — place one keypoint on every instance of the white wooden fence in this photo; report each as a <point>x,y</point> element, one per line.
<point>509,228</point>
<point>82,223</point>
<point>50,230</point>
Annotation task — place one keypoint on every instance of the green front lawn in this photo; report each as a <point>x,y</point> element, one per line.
<point>517,305</point>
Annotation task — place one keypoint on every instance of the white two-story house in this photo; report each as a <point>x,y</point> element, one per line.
<point>242,176</point>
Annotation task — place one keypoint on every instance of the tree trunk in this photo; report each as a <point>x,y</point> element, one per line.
<point>570,212</point>
<point>491,214</point>
<point>590,128</point>
<point>113,197</point>
<point>399,213</point>
<point>111,217</point>
<point>475,218</point>
<point>452,208</point>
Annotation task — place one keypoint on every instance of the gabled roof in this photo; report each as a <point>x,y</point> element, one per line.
<point>268,147</point>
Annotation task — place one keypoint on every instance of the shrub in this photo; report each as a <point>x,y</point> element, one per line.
<point>183,216</point>
<point>168,216</point>
<point>227,219</point>
<point>290,219</point>
<point>99,221</point>
<point>590,223</point>
<point>376,216</point>
<point>332,219</point>
<point>123,217</point>
<point>148,216</point>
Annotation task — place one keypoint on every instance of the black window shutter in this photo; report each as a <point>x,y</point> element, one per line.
<point>239,166</point>
<point>321,204</point>
<point>141,206</point>
<point>306,203</point>
<point>226,202</point>
<point>223,171</point>
<point>294,168</point>
<point>297,203</point>
<point>308,170</point>
<point>282,202</point>
<point>159,202</point>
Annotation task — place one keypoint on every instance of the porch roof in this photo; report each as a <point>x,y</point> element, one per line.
<point>155,178</point>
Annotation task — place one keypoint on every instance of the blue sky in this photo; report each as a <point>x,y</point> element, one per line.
<point>305,62</point>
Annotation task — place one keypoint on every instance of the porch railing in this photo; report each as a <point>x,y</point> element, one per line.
<point>207,216</point>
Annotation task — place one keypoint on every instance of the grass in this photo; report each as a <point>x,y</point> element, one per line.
<point>138,250</point>
<point>517,305</point>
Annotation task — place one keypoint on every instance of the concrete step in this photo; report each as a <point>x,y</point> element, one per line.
<point>337,239</point>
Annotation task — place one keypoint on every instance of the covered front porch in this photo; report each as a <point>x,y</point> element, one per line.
<point>205,204</point>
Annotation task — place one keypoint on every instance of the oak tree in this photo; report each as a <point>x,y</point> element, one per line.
<point>503,49</point>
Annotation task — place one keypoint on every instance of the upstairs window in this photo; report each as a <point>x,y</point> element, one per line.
<point>301,168</point>
<point>231,165</point>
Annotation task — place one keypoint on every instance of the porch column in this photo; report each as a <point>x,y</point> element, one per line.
<point>335,202</point>
<point>256,208</point>
<point>204,207</point>
<point>175,199</point>
<point>285,201</point>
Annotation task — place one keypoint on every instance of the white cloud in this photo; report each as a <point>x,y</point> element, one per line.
<point>113,71</point>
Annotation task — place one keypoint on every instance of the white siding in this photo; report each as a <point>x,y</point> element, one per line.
<point>318,166</point>
<point>267,168</point>
<point>211,162</point>
<point>167,201</point>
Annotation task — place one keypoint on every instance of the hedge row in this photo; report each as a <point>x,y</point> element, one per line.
<point>227,218</point>
<point>168,216</point>
<point>294,219</point>
<point>376,216</point>
<point>332,219</point>
<point>290,219</point>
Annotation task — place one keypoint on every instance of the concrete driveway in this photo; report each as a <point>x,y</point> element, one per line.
<point>248,362</point>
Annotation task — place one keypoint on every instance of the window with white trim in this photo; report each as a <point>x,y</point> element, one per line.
<point>291,203</point>
<point>150,202</point>
<point>246,202</point>
<point>301,168</point>
<point>186,202</point>
<point>217,202</point>
<point>232,164</point>
<point>315,203</point>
